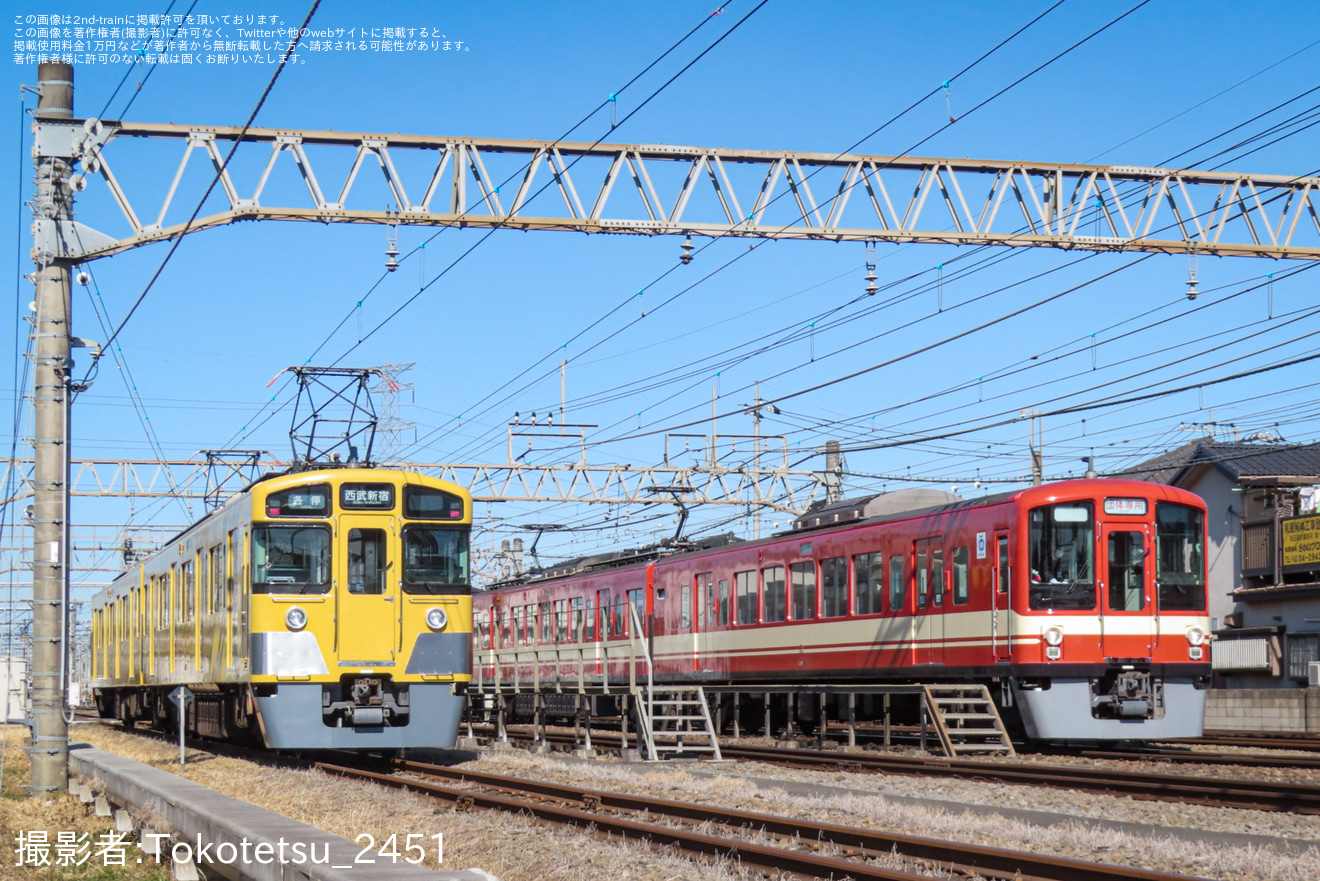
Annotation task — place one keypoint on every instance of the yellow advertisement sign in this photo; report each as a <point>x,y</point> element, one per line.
<point>1301,541</point>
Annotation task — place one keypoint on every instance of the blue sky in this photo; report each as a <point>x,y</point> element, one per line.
<point>236,305</point>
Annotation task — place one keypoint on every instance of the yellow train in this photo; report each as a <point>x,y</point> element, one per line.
<point>322,609</point>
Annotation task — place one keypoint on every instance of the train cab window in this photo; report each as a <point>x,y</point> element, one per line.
<point>1061,550</point>
<point>774,599</point>
<point>366,561</point>
<point>960,576</point>
<point>803,579</point>
<point>897,584</point>
<point>1127,571</point>
<point>290,559</point>
<point>834,587</point>
<point>867,588</point>
<point>435,560</point>
<point>685,607</point>
<point>722,610</point>
<point>1179,559</point>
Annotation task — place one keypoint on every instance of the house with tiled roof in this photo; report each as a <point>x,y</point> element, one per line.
<point>1263,556</point>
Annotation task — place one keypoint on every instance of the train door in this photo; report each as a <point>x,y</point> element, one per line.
<point>928,572</point>
<point>1001,612</point>
<point>367,594</point>
<point>705,620</point>
<point>1126,611</point>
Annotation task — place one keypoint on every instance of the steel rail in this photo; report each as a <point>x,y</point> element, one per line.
<point>586,806</point>
<point>1259,795</point>
<point>1227,792</point>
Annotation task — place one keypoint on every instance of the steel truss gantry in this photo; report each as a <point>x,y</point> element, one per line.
<point>658,189</point>
<point>779,489</point>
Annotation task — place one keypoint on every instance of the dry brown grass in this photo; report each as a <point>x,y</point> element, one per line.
<point>507,846</point>
<point>20,812</point>
<point>1076,839</point>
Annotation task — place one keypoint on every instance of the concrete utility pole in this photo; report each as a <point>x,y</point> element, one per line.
<point>52,203</point>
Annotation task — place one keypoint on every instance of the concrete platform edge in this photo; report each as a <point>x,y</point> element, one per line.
<point>197,813</point>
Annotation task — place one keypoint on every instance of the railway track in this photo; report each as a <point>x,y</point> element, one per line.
<point>1258,795</point>
<point>1298,742</point>
<point>806,848</point>
<point>787,845</point>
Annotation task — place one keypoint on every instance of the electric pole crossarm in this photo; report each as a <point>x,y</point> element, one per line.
<point>864,198</point>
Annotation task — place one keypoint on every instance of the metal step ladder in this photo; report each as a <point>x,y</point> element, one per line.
<point>680,713</point>
<point>966,720</point>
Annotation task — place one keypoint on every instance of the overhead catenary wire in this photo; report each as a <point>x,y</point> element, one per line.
<point>614,124</point>
<point>174,246</point>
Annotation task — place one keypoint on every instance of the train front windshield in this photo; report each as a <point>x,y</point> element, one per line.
<point>1180,558</point>
<point>1062,556</point>
<point>435,560</point>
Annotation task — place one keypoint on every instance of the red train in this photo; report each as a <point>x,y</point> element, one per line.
<point>1082,604</point>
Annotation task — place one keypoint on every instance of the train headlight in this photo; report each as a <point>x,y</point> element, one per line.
<point>296,618</point>
<point>436,619</point>
<point>1054,636</point>
<point>1196,636</point>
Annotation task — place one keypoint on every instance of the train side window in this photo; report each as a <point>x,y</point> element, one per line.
<point>744,584</point>
<point>723,607</point>
<point>519,624</point>
<point>186,592</point>
<point>1003,564</point>
<point>937,574</point>
<point>366,561</point>
<point>923,579</point>
<point>576,632</point>
<point>218,583</point>
<point>637,597</point>
<point>620,614</point>
<point>834,587</point>
<point>775,600</point>
<point>203,582</point>
<point>561,620</point>
<point>590,622</point>
<point>867,569</point>
<point>685,604</point>
<point>506,629</point>
<point>897,584</point>
<point>705,600</point>
<point>547,623</point>
<point>803,576</point>
<point>960,562</point>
